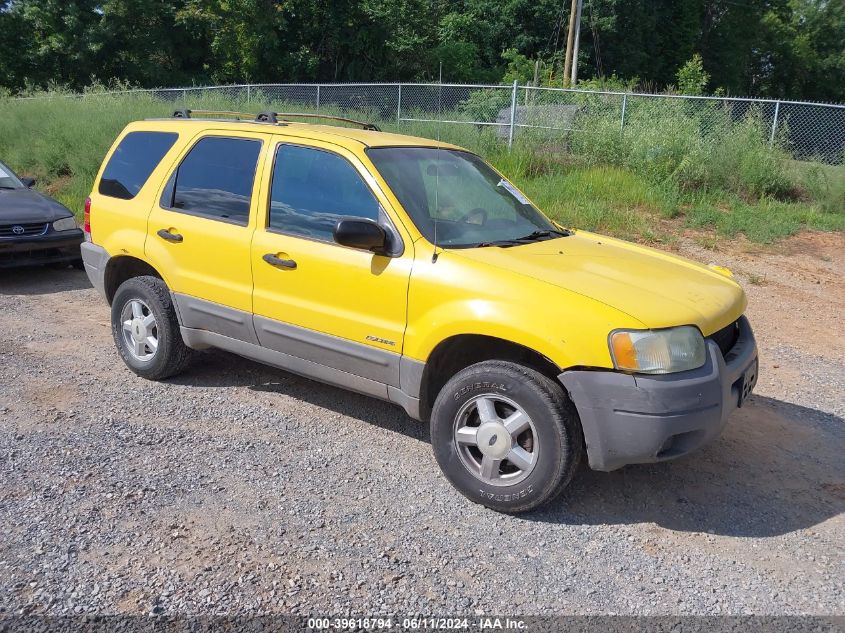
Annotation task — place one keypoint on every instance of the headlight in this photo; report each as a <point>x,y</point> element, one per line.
<point>658,351</point>
<point>65,224</point>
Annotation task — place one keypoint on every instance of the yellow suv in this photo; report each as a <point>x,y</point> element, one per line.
<point>412,271</point>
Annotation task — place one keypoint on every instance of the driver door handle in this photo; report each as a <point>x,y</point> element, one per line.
<point>279,263</point>
<point>170,237</point>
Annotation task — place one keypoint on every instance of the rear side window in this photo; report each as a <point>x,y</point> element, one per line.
<point>215,179</point>
<point>133,161</point>
<point>312,189</point>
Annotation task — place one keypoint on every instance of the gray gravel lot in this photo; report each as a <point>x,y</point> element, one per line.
<point>237,488</point>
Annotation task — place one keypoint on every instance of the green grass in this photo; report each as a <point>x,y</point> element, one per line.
<point>605,199</point>
<point>669,169</point>
<point>61,141</point>
<point>764,221</point>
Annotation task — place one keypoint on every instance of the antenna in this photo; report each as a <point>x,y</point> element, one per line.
<point>437,163</point>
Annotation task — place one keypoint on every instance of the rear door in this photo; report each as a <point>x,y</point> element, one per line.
<point>200,229</point>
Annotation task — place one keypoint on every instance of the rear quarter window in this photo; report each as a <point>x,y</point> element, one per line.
<point>133,161</point>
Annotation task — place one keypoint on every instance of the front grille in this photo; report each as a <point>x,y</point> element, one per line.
<point>23,230</point>
<point>726,337</point>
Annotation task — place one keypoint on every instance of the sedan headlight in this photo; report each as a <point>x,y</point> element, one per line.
<point>658,351</point>
<point>65,224</point>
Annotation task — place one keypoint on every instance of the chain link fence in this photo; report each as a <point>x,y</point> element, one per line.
<point>571,118</point>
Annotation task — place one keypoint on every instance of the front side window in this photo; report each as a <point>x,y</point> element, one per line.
<point>215,179</point>
<point>312,188</point>
<point>131,164</point>
<point>456,199</point>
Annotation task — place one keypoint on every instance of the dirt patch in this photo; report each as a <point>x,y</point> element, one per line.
<point>51,396</point>
<point>57,185</point>
<point>796,289</point>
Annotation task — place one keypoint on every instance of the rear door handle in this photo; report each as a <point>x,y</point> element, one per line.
<point>277,262</point>
<point>170,237</point>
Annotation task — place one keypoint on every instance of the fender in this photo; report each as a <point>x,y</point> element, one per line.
<point>567,328</point>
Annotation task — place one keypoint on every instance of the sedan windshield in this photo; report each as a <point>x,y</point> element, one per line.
<point>457,200</point>
<point>8,180</point>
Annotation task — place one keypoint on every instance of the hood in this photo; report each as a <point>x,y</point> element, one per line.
<point>657,289</point>
<point>21,206</point>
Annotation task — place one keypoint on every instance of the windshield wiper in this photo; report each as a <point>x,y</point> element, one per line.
<point>497,243</point>
<point>548,234</point>
<point>7,187</point>
<point>536,236</point>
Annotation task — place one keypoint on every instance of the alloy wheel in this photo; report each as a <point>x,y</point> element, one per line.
<point>140,331</point>
<point>496,440</point>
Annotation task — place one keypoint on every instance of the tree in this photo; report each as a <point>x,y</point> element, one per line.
<point>51,40</point>
<point>692,78</point>
<point>782,48</point>
<point>804,44</point>
<point>13,42</point>
<point>140,41</point>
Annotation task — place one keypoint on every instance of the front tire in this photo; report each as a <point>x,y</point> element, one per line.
<point>146,330</point>
<point>506,436</point>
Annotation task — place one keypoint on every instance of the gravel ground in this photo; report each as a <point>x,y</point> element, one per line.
<point>240,489</point>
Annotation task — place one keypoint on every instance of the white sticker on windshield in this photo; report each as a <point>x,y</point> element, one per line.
<point>3,174</point>
<point>513,191</point>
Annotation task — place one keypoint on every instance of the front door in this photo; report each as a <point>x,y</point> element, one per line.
<point>340,307</point>
<point>199,232</point>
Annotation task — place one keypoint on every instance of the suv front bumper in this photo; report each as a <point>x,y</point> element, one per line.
<point>638,419</point>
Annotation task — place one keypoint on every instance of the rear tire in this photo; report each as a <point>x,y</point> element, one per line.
<point>146,330</point>
<point>506,436</point>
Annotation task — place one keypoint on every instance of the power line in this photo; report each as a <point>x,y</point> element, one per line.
<point>555,34</point>
<point>596,47</point>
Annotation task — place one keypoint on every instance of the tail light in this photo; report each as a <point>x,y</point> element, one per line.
<point>87,219</point>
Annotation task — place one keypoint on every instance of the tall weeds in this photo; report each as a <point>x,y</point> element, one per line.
<point>671,157</point>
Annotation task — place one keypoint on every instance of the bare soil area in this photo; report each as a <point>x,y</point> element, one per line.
<point>237,488</point>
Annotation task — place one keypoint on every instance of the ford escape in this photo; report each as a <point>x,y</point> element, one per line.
<point>412,271</point>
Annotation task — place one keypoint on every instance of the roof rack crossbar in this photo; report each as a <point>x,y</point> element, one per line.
<point>187,114</point>
<point>271,117</point>
<point>329,117</point>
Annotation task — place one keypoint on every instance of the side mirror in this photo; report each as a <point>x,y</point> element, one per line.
<point>29,183</point>
<point>360,233</point>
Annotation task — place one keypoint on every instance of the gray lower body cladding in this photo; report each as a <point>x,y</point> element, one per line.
<point>198,314</point>
<point>331,351</point>
<point>635,419</point>
<point>95,258</point>
<point>309,353</point>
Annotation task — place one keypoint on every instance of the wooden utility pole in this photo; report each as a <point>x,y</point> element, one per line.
<point>577,41</point>
<point>574,27</point>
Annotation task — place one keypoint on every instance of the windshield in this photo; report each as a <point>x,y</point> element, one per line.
<point>468,202</point>
<point>8,180</point>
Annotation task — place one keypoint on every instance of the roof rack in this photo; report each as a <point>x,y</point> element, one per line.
<point>188,114</point>
<point>271,117</point>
